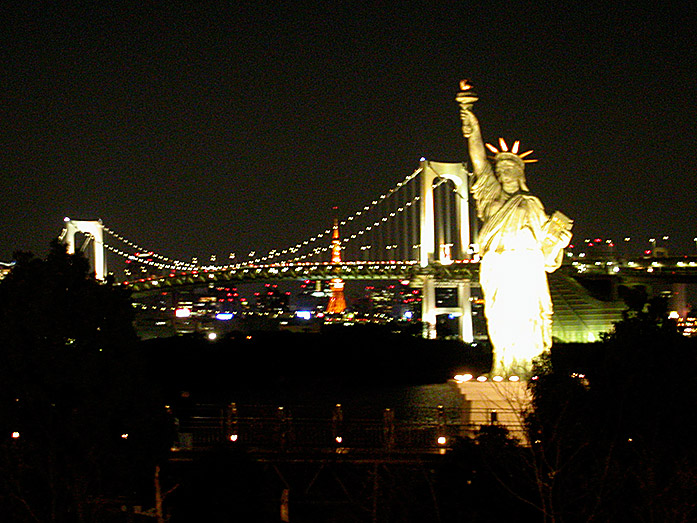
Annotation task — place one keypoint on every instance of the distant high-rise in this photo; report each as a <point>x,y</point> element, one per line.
<point>5,269</point>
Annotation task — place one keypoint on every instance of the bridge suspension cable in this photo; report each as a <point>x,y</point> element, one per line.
<point>163,261</point>
<point>354,219</point>
<point>359,225</point>
<point>362,232</point>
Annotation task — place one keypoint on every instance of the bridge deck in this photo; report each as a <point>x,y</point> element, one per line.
<point>392,270</point>
<point>677,269</point>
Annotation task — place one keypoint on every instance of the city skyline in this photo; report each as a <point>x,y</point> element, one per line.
<point>196,131</point>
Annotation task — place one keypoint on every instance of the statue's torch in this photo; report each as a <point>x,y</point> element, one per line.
<point>466,98</point>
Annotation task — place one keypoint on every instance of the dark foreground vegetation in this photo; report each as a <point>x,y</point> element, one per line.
<point>85,435</point>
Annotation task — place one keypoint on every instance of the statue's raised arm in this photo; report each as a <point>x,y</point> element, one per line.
<point>470,126</point>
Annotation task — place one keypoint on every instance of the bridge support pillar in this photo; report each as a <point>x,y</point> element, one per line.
<point>93,228</point>
<point>449,300</point>
<point>455,173</point>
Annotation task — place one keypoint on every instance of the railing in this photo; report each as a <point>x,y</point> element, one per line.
<point>303,429</point>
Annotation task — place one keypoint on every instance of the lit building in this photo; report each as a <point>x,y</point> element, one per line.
<point>688,324</point>
<point>272,300</point>
<point>5,269</point>
<point>392,301</point>
<point>312,297</point>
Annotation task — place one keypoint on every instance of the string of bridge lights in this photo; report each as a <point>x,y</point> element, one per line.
<point>177,263</point>
<point>345,241</point>
<point>316,251</point>
<point>157,265</point>
<point>297,247</point>
<point>164,262</point>
<point>90,237</point>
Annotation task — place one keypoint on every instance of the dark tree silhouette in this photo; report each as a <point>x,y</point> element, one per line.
<point>612,425</point>
<point>487,478</point>
<point>610,432</point>
<point>80,427</point>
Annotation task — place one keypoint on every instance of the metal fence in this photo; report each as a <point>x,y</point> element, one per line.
<point>301,428</point>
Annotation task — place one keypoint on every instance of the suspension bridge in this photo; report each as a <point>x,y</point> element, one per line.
<point>422,231</point>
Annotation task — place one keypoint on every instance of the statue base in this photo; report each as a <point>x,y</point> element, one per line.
<point>496,403</point>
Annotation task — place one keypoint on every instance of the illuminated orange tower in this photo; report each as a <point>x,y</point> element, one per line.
<point>337,303</point>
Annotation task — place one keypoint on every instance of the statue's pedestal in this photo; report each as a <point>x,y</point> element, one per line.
<point>500,403</point>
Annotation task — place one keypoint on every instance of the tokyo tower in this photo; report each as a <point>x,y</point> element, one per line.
<point>337,303</point>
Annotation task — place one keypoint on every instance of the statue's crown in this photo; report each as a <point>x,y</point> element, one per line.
<point>505,154</point>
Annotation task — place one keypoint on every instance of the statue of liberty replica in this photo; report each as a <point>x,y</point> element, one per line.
<point>518,244</point>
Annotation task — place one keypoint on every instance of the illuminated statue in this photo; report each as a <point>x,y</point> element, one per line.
<point>519,243</point>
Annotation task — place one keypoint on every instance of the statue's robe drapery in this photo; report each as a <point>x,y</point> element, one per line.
<point>515,260</point>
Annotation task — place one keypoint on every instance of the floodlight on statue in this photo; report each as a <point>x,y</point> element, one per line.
<point>462,378</point>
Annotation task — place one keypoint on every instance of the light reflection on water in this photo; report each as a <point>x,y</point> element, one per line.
<point>408,402</point>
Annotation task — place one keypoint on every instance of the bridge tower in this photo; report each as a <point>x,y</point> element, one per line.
<point>337,303</point>
<point>95,233</point>
<point>445,297</point>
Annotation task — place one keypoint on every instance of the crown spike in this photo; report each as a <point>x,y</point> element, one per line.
<point>526,153</point>
<point>492,148</point>
<point>515,147</point>
<point>503,145</point>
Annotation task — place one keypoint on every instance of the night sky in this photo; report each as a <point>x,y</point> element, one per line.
<point>207,130</point>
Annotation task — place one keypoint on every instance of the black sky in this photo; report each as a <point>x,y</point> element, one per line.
<point>205,130</point>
